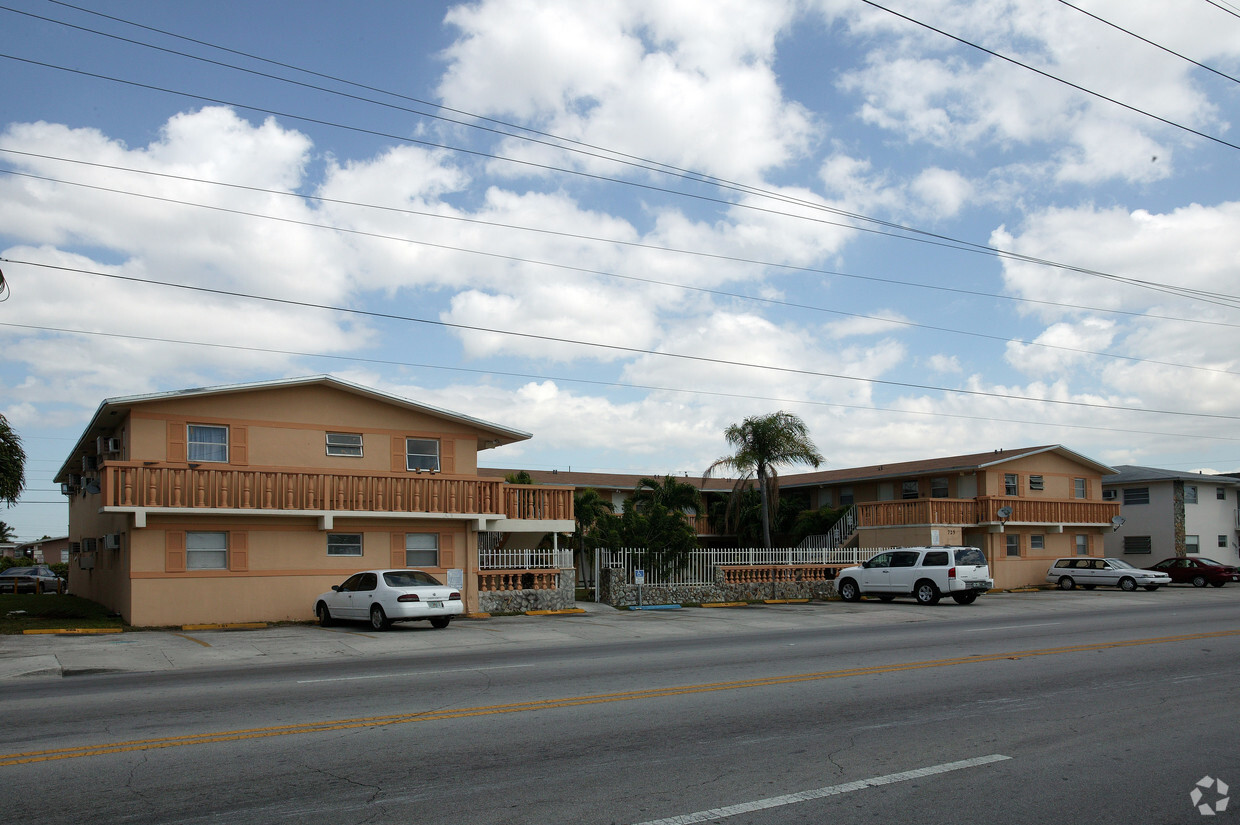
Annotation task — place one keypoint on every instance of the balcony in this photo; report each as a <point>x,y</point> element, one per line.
<point>138,486</point>
<point>984,510</point>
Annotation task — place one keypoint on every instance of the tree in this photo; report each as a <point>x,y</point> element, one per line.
<point>12,464</point>
<point>6,532</point>
<point>589,510</point>
<point>519,477</point>
<point>671,493</point>
<point>762,442</point>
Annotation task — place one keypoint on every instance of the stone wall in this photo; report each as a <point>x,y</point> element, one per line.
<point>561,597</point>
<point>614,589</point>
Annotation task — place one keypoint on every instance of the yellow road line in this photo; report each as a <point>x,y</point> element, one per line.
<point>568,702</point>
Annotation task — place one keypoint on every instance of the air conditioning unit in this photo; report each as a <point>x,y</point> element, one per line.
<point>90,545</point>
<point>86,561</point>
<point>112,541</point>
<point>89,464</point>
<point>113,445</point>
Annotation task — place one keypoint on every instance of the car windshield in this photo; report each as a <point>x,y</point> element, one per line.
<point>970,556</point>
<point>1121,563</point>
<point>18,571</point>
<point>408,578</point>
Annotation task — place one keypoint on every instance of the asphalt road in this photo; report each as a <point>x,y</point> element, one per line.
<point>1083,707</point>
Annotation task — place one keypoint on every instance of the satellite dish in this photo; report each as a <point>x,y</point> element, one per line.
<point>1005,512</point>
<point>1117,522</point>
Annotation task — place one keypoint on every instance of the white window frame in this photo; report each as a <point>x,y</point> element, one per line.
<point>1080,488</point>
<point>1011,484</point>
<point>344,444</point>
<point>417,556</point>
<point>939,487</point>
<point>1190,493</point>
<point>415,461</point>
<point>1192,544</point>
<point>1037,542</point>
<point>1082,544</point>
<point>206,550</point>
<point>1012,541</point>
<point>206,450</point>
<point>1222,540</point>
<point>344,545</point>
<point>1220,493</point>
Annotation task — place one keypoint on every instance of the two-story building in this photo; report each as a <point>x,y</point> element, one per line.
<point>1023,507</point>
<point>1168,513</point>
<point>242,503</point>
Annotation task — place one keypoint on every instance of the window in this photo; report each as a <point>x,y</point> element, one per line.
<point>1037,542</point>
<point>421,549</point>
<point>1220,493</point>
<point>1222,540</point>
<point>936,558</point>
<point>344,544</point>
<point>1011,484</point>
<point>938,488</point>
<point>1110,495</point>
<point>1013,544</point>
<point>422,454</point>
<point>206,551</point>
<point>1079,490</point>
<point>349,444</point>
<point>909,489</point>
<point>1192,544</point>
<point>1136,495</point>
<point>1138,544</point>
<point>1036,483</point>
<point>1082,545</point>
<point>846,496</point>
<point>1190,494</point>
<point>207,443</point>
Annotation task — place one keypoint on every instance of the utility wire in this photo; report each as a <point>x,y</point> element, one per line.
<point>638,279</point>
<point>1150,42</point>
<point>599,383</point>
<point>917,235</point>
<point>700,359</point>
<point>1050,76</point>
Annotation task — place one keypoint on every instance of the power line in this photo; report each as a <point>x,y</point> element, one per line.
<point>1209,297</point>
<point>600,383</point>
<point>652,281</point>
<point>1050,76</point>
<point>1148,41</point>
<point>917,235</point>
<point>700,359</point>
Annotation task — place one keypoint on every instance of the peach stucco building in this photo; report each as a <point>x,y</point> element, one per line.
<point>242,503</point>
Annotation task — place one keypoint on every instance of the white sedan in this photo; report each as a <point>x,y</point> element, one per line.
<point>385,596</point>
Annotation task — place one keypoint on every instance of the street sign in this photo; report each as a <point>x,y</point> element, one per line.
<point>639,577</point>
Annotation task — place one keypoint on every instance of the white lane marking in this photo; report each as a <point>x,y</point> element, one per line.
<point>413,673</point>
<point>1011,627</point>
<point>819,793</point>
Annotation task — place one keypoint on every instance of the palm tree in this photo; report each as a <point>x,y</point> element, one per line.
<point>12,464</point>
<point>762,442</point>
<point>589,508</point>
<point>677,496</point>
<point>6,532</point>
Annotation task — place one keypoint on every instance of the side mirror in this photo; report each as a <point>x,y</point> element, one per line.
<point>336,588</point>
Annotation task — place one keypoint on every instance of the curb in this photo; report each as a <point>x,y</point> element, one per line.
<point>234,626</point>
<point>565,611</point>
<point>785,601</point>
<point>655,607</point>
<point>725,604</point>
<point>72,631</point>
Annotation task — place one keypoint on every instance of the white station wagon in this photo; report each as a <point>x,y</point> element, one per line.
<point>1089,572</point>
<point>926,573</point>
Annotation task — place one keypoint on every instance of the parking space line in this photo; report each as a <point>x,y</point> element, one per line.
<point>821,793</point>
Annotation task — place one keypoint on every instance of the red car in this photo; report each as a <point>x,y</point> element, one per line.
<point>1197,571</point>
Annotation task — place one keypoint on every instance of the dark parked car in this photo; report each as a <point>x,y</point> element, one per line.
<point>37,579</point>
<point>1197,571</point>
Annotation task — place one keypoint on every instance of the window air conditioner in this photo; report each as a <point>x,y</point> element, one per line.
<point>113,445</point>
<point>112,541</point>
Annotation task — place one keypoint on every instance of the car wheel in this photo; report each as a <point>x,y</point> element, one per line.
<point>1151,587</point>
<point>967,597</point>
<point>1128,583</point>
<point>926,592</point>
<point>848,591</point>
<point>887,597</point>
<point>1066,583</point>
<point>325,615</point>
<point>379,619</point>
<point>1218,584</point>
<point>1199,581</point>
<point>440,622</point>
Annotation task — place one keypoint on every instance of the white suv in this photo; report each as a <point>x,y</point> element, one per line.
<point>924,572</point>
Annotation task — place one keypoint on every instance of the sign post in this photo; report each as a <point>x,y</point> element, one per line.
<point>639,578</point>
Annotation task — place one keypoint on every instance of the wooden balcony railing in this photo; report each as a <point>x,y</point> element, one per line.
<point>134,484</point>
<point>984,509</point>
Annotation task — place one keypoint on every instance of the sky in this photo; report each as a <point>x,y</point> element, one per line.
<point>926,227</point>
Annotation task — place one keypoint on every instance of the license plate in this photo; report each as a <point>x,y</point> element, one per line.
<point>978,586</point>
<point>435,604</point>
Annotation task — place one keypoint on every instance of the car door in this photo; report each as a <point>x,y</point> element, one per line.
<point>903,571</point>
<point>1105,574</point>
<point>364,596</point>
<point>340,600</point>
<point>876,574</point>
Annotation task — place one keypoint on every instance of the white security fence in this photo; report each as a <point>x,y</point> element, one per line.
<point>525,559</point>
<point>701,564</point>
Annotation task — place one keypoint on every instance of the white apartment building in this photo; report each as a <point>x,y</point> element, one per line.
<point>1168,513</point>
